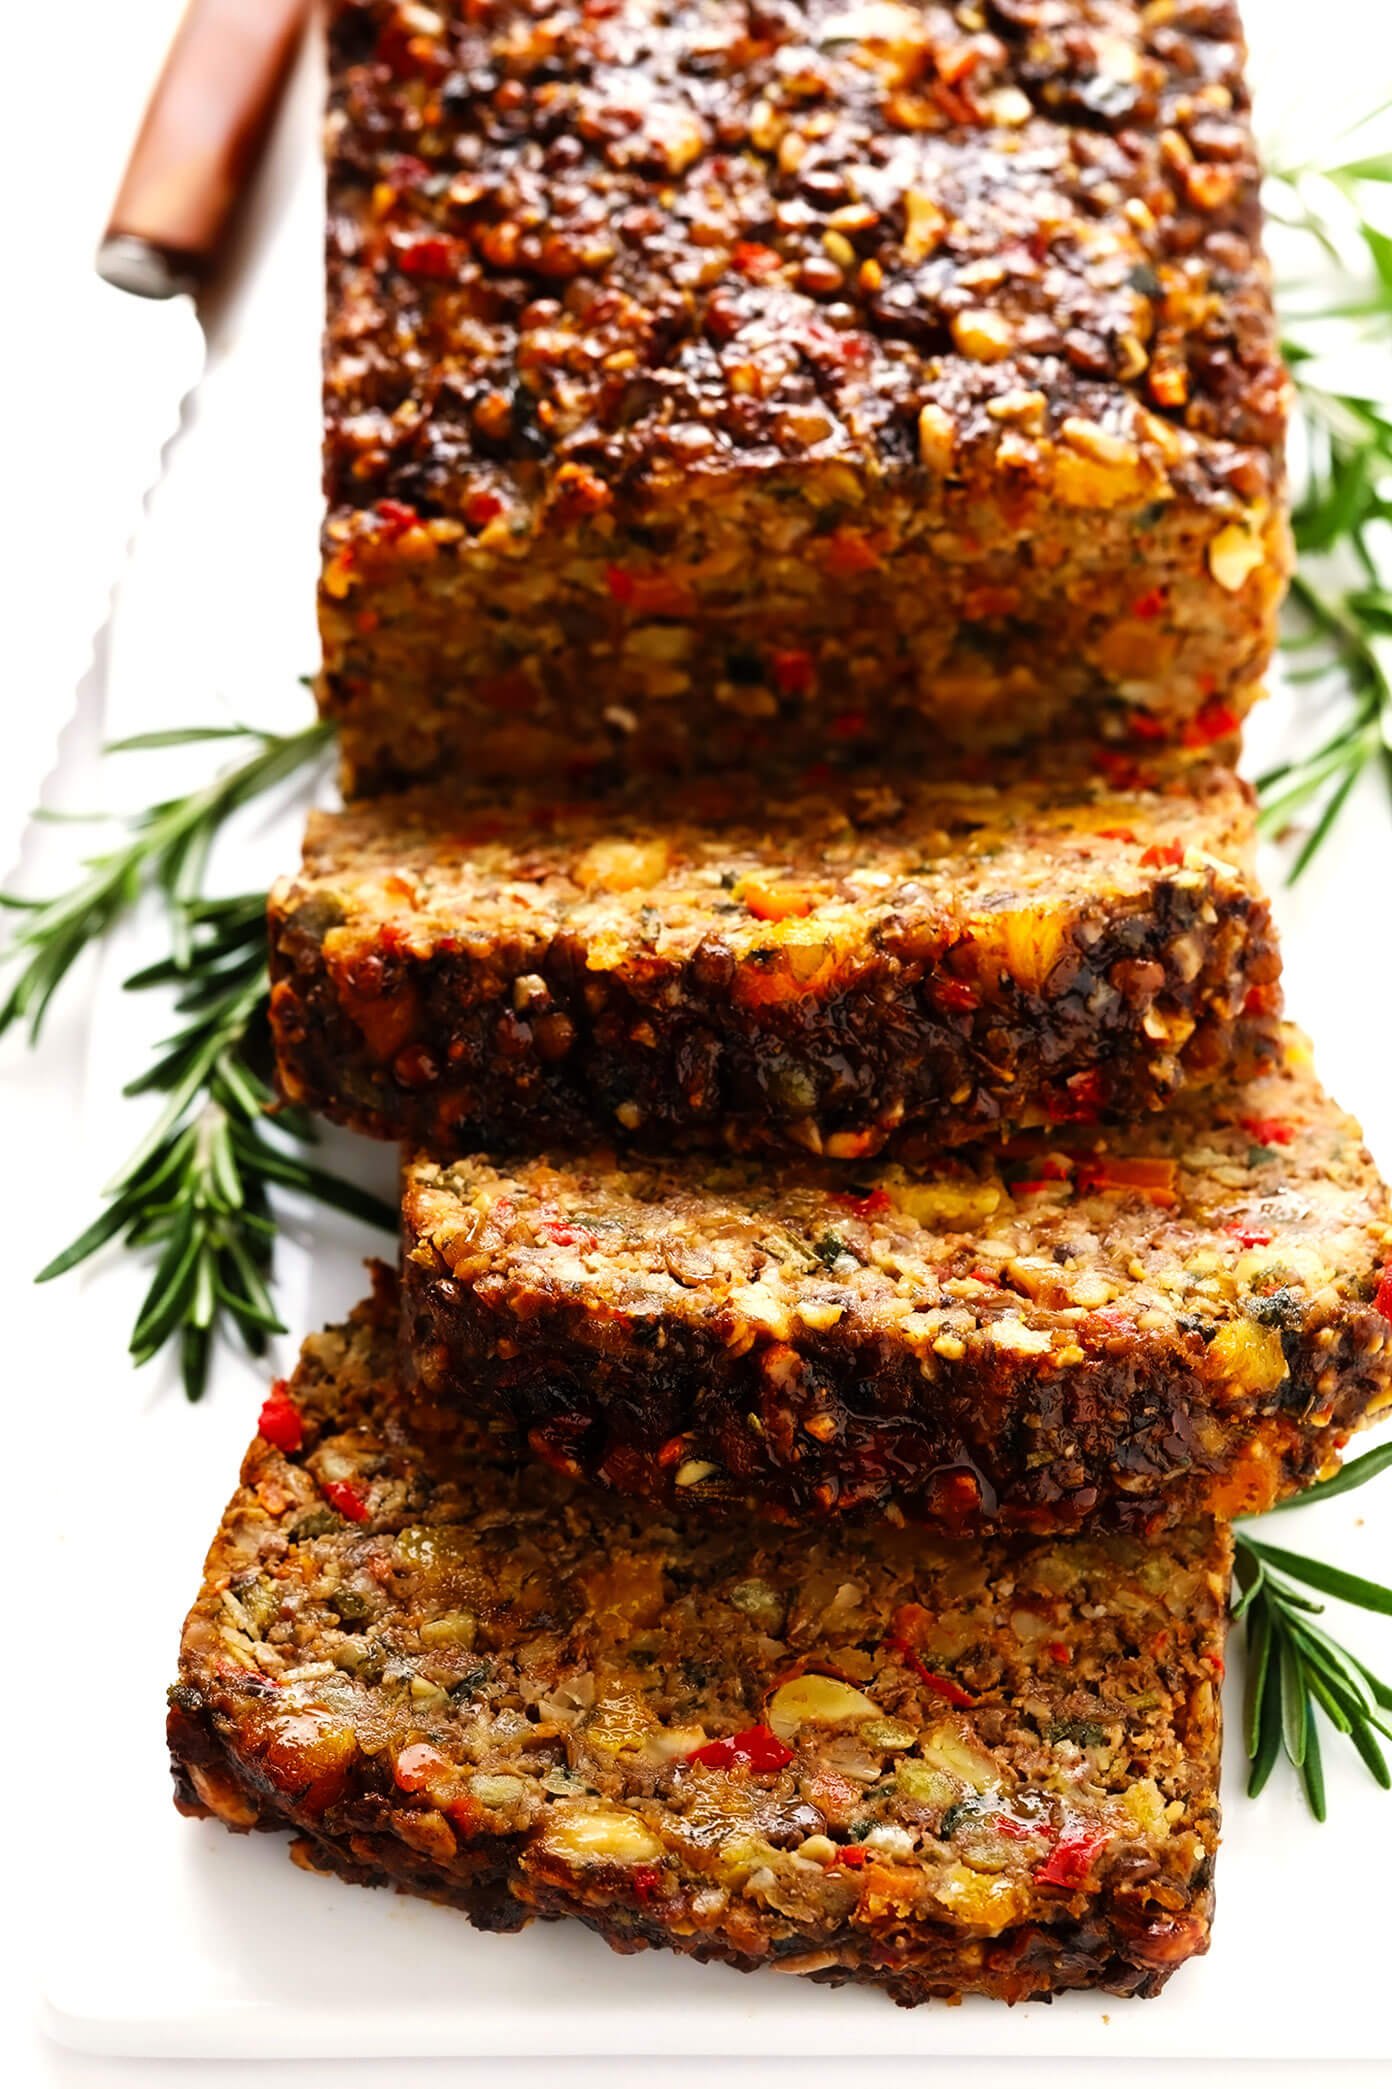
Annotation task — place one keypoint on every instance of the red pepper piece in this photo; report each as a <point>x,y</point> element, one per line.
<point>430,257</point>
<point>1214,721</point>
<point>942,1686</point>
<point>1069,1863</point>
<point>1115,834</point>
<point>868,1206</point>
<point>1082,1100</point>
<point>1249,1236</point>
<point>757,1747</point>
<point>752,259</point>
<point>344,1496</point>
<point>481,508</point>
<point>463,1812</point>
<point>1262,1000</point>
<point>853,1856</point>
<point>1163,854</point>
<point>1015,1831</point>
<point>1149,605</point>
<point>397,517</point>
<point>567,1236</point>
<point>1059,1650</point>
<point>281,1422</point>
<point>715,1755</point>
<point>1268,1131</point>
<point>792,671</point>
<point>646,1881</point>
<point>954,993</point>
<point>1382,1301</point>
<point>761,1748</point>
<point>1144,727</point>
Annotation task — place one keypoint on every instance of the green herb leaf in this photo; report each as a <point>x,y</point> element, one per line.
<point>1338,616</point>
<point>164,849</point>
<point>195,1193</point>
<point>1296,1670</point>
<point>1332,1581</point>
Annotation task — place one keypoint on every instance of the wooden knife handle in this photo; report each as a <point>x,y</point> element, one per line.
<point>200,141</point>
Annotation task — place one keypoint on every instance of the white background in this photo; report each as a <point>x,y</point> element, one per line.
<point>74,463</point>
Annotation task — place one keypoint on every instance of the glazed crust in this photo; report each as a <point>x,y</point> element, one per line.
<point>941,1769</point>
<point>830,966</point>
<point>892,375</point>
<point>1111,1329</point>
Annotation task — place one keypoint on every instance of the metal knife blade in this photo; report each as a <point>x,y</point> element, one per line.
<point>153,358</point>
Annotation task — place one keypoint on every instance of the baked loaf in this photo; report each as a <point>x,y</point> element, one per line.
<point>982,1768</point>
<point>892,376</point>
<point>830,966</point>
<point>1121,1329</point>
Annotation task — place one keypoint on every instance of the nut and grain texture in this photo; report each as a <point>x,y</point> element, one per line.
<point>986,1768</point>
<point>701,372</point>
<point>829,967</point>
<point>1117,1330</point>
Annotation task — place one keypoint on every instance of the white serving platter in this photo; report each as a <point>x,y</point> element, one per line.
<point>166,1938</point>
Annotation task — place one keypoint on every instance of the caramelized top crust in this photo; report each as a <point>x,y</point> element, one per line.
<point>582,252</point>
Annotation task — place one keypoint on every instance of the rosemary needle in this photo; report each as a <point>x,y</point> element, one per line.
<point>196,1192</point>
<point>1296,1670</point>
<point>1339,621</point>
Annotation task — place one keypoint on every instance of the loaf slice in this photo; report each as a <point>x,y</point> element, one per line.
<point>894,376</point>
<point>1117,1329</point>
<point>986,1768</point>
<point>829,965</point>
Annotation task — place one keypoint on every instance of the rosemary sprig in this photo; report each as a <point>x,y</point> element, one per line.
<point>1339,623</point>
<point>196,1191</point>
<point>165,848</point>
<point>1296,1670</point>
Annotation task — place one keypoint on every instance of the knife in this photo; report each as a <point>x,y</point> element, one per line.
<point>200,142</point>
<point>170,241</point>
<point>194,158</point>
